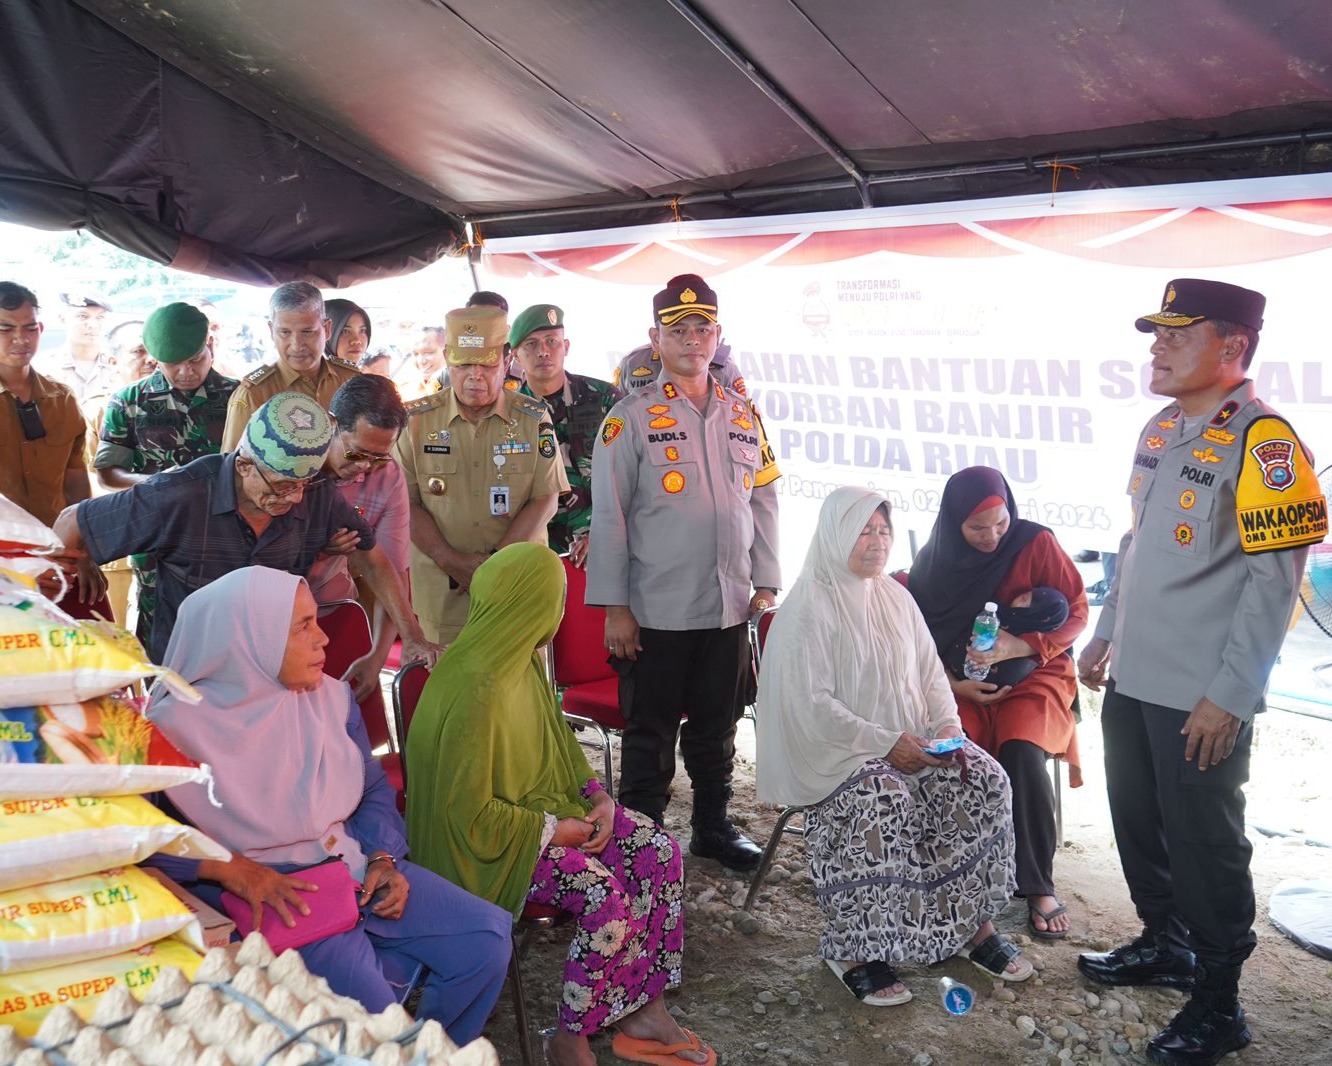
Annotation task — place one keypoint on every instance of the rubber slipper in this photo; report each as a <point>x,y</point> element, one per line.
<point>1034,912</point>
<point>866,978</point>
<point>992,956</point>
<point>639,1049</point>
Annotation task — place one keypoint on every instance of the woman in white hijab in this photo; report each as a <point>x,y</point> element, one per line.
<point>911,854</point>
<point>296,786</point>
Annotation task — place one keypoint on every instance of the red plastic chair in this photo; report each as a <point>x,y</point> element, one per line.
<point>347,627</point>
<point>589,686</point>
<point>408,683</point>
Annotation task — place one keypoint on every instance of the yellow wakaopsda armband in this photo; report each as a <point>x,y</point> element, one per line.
<point>1278,503</point>
<point>767,471</point>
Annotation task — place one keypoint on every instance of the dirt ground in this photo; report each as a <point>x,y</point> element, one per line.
<point>758,992</point>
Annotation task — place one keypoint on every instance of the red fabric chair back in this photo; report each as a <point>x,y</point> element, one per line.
<point>347,627</point>
<point>579,657</point>
<point>408,684</point>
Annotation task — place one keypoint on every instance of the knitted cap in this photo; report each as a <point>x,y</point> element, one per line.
<point>290,435</point>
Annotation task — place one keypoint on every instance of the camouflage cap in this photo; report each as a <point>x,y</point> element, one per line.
<point>475,335</point>
<point>175,333</point>
<point>290,435</point>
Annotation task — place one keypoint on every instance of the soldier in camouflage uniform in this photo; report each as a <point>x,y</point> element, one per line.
<point>166,420</point>
<point>577,404</point>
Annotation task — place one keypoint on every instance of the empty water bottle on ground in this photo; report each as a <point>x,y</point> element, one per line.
<point>983,633</point>
<point>957,998</point>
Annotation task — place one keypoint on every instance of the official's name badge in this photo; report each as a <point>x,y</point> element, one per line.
<point>499,500</point>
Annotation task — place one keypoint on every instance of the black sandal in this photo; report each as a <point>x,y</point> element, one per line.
<point>992,956</point>
<point>867,978</point>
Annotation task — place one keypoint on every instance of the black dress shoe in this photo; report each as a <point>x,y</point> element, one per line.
<point>727,845</point>
<point>1200,1035</point>
<point>1148,960</point>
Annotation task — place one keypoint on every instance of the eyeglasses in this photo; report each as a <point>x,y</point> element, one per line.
<point>288,490</point>
<point>373,458</point>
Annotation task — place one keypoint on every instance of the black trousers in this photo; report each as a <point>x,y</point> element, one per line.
<point>1180,831</point>
<point>1033,816</point>
<point>698,673</point>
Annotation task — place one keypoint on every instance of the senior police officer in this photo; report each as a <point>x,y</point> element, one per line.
<point>577,406</point>
<point>1225,504</point>
<point>640,368</point>
<point>165,420</point>
<point>684,524</point>
<point>299,325</point>
<point>482,470</point>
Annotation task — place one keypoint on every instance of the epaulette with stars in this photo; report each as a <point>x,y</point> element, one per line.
<point>425,403</point>
<point>342,363</point>
<point>528,405</point>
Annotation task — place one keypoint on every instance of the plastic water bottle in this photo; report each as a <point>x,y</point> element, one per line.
<point>984,631</point>
<point>957,998</point>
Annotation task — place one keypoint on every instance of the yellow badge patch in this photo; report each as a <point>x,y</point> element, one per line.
<point>658,409</point>
<point>1218,436</point>
<point>1207,456</point>
<point>1184,535</point>
<point>661,422</point>
<point>1278,502</point>
<point>673,453</point>
<point>721,393</point>
<point>749,482</point>
<point>743,423</point>
<point>610,429</point>
<point>1167,423</point>
<point>673,481</point>
<point>1137,482</point>
<point>641,372</point>
<point>670,391</point>
<point>511,384</point>
<point>1187,499</point>
<point>739,385</point>
<point>1155,443</point>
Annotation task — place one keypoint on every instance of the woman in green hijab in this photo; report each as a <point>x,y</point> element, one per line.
<point>503,802</point>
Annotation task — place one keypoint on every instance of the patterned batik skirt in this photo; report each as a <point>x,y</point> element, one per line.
<point>907,867</point>
<point>628,901</point>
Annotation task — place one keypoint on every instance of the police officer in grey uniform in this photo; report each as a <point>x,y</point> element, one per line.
<point>684,526</point>
<point>1225,504</point>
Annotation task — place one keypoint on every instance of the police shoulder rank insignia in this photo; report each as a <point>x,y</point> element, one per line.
<point>739,385</point>
<point>615,378</point>
<point>1226,413</point>
<point>546,446</point>
<point>611,428</point>
<point>1278,502</point>
<point>670,391</point>
<point>256,376</point>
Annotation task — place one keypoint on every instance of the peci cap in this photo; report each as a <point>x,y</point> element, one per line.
<point>175,333</point>
<point>290,435</point>
<point>475,335</point>
<point>684,295</point>
<point>535,318</point>
<point>1190,300</point>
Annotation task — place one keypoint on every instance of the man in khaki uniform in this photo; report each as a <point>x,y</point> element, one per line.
<point>41,433</point>
<point>299,327</point>
<point>482,466</point>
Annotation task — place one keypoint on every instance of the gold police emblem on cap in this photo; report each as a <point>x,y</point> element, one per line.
<point>436,486</point>
<point>1169,297</point>
<point>689,296</point>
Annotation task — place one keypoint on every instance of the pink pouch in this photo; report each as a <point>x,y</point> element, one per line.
<point>333,909</point>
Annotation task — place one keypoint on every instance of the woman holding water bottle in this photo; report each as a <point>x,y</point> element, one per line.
<point>981,553</point>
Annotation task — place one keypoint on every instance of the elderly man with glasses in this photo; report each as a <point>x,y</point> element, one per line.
<point>265,504</point>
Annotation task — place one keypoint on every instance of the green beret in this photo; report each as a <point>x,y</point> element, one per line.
<point>290,435</point>
<point>538,316</point>
<point>175,333</point>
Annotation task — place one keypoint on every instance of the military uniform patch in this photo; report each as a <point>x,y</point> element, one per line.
<point>1184,535</point>
<point>546,446</point>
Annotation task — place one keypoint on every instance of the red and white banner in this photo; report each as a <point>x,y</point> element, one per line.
<point>893,347</point>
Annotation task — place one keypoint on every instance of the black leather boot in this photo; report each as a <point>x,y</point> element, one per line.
<point>1148,960</point>
<point>714,836</point>
<point>1210,1026</point>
